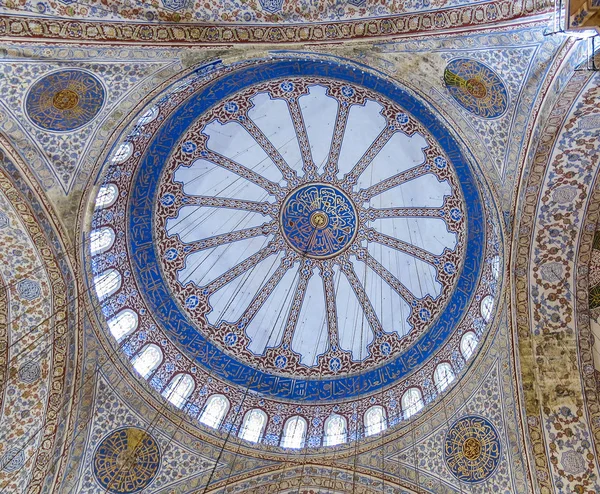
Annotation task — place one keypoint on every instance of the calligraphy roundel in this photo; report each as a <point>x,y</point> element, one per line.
<point>64,101</point>
<point>318,220</point>
<point>126,461</point>
<point>476,87</point>
<point>472,449</point>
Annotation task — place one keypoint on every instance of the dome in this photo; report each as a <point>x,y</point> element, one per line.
<point>295,240</point>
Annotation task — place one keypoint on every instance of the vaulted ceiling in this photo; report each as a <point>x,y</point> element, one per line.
<point>375,222</point>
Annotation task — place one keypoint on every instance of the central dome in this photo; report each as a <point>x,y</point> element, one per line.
<point>300,229</point>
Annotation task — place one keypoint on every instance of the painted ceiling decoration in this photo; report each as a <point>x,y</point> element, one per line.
<point>64,100</point>
<point>472,449</point>
<point>476,88</point>
<point>126,461</point>
<point>255,21</point>
<point>229,265</point>
<point>314,234</point>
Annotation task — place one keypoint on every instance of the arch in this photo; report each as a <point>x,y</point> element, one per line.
<point>375,420</point>
<point>123,324</point>
<point>147,360</point>
<point>496,267</point>
<point>336,430</point>
<point>107,283</point>
<point>486,306</point>
<point>468,343</point>
<point>294,432</point>
<point>443,376</point>
<point>412,402</point>
<point>214,412</point>
<point>107,195</point>
<point>179,389</point>
<point>253,426</point>
<point>101,240</point>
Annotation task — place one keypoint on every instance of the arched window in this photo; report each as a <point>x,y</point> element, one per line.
<point>107,195</point>
<point>123,152</point>
<point>107,283</point>
<point>412,402</point>
<point>294,433</point>
<point>335,430</point>
<point>123,324</point>
<point>179,389</point>
<point>147,360</point>
<point>214,411</point>
<point>487,304</point>
<point>375,420</point>
<point>443,376</point>
<point>253,425</point>
<point>147,117</point>
<point>467,344</point>
<point>496,267</point>
<point>101,240</point>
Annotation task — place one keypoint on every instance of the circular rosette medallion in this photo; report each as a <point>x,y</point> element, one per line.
<point>476,87</point>
<point>64,100</point>
<point>318,221</point>
<point>472,449</point>
<point>126,461</point>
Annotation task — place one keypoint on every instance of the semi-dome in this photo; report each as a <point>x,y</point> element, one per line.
<point>297,250</point>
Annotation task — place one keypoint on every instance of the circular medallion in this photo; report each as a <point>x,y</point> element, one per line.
<point>472,449</point>
<point>318,220</point>
<point>126,461</point>
<point>65,100</point>
<point>476,87</point>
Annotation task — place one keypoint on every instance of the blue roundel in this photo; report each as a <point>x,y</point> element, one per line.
<point>476,87</point>
<point>318,220</point>
<point>472,449</point>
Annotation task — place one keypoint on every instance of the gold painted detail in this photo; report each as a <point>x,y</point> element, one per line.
<point>65,99</point>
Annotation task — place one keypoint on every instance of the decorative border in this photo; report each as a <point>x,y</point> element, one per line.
<point>66,30</point>
<point>532,186</point>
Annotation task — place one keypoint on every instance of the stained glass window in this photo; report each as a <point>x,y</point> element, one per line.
<point>294,433</point>
<point>147,117</point>
<point>179,389</point>
<point>254,423</point>
<point>123,324</point>
<point>375,420</point>
<point>335,430</point>
<point>214,411</point>
<point>487,305</point>
<point>107,195</point>
<point>468,343</point>
<point>123,152</point>
<point>443,376</point>
<point>496,267</point>
<point>412,402</point>
<point>101,240</point>
<point>147,360</point>
<point>107,283</point>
